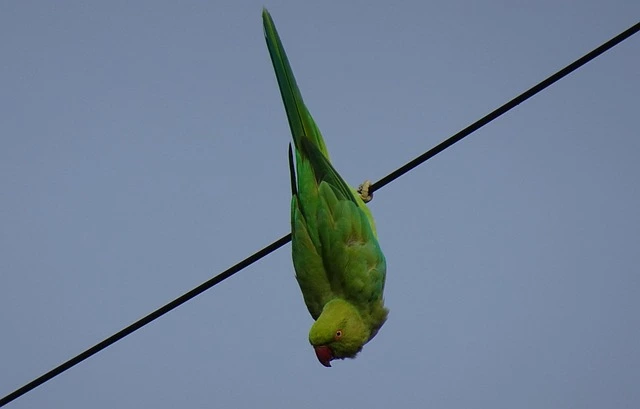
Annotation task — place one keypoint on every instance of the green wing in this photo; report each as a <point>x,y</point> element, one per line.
<point>335,249</point>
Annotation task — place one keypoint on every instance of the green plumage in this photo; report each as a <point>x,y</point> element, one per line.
<point>339,265</point>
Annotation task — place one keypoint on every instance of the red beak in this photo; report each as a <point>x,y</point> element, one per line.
<point>324,355</point>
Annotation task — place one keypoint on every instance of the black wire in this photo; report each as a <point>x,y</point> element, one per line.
<point>285,239</point>
<point>147,319</point>
<point>505,108</point>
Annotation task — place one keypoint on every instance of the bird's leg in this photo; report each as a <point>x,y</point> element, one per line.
<point>363,190</point>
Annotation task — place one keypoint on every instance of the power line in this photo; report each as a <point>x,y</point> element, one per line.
<point>506,107</point>
<point>147,319</point>
<point>285,239</point>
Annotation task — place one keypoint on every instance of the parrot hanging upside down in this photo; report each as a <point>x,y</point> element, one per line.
<point>338,262</point>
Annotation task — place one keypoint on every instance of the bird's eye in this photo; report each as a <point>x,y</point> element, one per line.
<point>338,334</point>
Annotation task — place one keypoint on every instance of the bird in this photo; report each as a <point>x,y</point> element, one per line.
<point>338,262</point>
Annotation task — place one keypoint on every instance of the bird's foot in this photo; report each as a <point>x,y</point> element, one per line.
<point>363,190</point>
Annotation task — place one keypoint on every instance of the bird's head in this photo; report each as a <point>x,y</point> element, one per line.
<point>338,333</point>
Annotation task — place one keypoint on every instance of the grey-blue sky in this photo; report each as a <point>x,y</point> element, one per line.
<point>143,149</point>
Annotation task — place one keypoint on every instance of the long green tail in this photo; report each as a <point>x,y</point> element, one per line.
<point>306,135</point>
<point>301,123</point>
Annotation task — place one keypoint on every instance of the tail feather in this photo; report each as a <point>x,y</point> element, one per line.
<point>292,172</point>
<point>300,121</point>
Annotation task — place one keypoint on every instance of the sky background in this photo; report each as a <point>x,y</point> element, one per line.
<point>143,150</point>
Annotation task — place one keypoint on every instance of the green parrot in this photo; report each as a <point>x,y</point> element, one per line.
<point>338,262</point>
